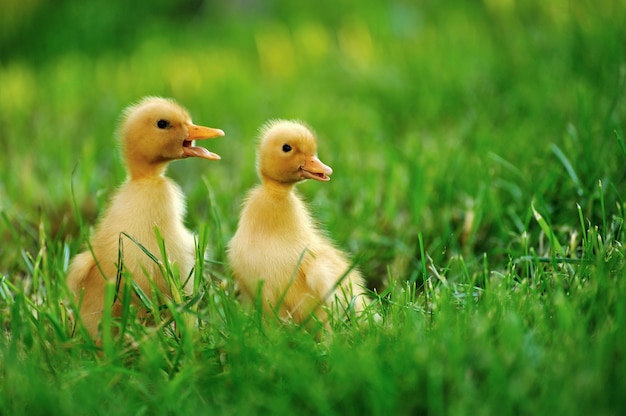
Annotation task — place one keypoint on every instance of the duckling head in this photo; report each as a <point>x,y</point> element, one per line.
<point>287,153</point>
<point>156,131</point>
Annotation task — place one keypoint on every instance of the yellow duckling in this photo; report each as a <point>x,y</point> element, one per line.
<point>277,244</point>
<point>153,132</point>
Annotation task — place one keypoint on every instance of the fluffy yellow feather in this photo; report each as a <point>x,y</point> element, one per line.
<point>277,244</point>
<point>153,132</point>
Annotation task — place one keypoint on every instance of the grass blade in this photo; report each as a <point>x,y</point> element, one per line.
<point>569,167</point>
<point>545,227</point>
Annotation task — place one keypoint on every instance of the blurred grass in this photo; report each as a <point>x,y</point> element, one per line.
<point>446,119</point>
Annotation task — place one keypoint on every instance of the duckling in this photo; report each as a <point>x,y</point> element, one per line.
<point>153,132</point>
<point>278,251</point>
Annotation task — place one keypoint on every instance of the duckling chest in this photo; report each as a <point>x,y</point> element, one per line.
<point>140,207</point>
<point>269,256</point>
<point>273,238</point>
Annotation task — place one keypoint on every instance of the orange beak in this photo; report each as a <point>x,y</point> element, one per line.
<point>313,168</point>
<point>200,133</point>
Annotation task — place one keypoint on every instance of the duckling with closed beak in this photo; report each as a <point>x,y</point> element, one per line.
<point>277,246</point>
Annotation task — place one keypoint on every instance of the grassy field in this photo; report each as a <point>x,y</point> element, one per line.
<point>480,161</point>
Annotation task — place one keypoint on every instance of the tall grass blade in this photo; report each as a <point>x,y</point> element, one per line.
<point>620,141</point>
<point>106,324</point>
<point>569,167</point>
<point>292,279</point>
<point>545,227</point>
<point>605,231</point>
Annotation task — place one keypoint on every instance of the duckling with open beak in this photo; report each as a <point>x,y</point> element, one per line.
<point>153,132</point>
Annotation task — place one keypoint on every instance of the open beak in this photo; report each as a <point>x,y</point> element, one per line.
<point>313,168</point>
<point>200,133</point>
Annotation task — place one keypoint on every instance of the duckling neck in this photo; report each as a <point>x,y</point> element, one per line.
<point>277,190</point>
<point>145,170</point>
<point>284,213</point>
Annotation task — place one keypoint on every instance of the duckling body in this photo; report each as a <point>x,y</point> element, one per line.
<point>278,247</point>
<point>154,132</point>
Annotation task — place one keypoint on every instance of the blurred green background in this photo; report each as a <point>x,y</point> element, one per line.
<point>440,118</point>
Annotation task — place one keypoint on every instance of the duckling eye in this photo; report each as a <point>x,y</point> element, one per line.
<point>286,148</point>
<point>162,124</point>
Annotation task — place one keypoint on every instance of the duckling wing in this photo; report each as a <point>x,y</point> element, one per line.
<point>79,270</point>
<point>331,278</point>
<point>88,285</point>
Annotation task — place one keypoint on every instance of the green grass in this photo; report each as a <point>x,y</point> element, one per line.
<point>479,155</point>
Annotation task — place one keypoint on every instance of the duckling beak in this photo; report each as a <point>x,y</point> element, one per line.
<point>313,168</point>
<point>200,133</point>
